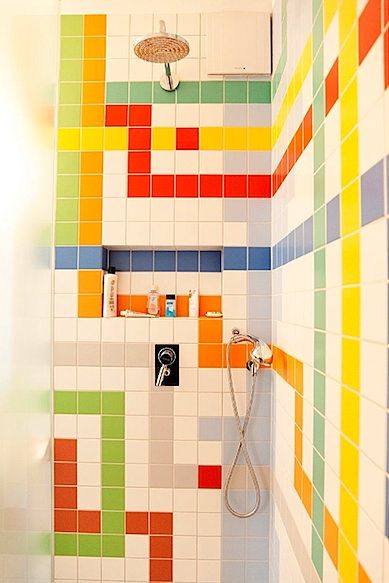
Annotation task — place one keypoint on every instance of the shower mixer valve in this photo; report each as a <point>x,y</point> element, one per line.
<point>166,365</point>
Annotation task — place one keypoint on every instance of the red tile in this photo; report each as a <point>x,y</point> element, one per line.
<point>210,476</point>
<point>235,186</point>
<point>162,185</point>
<point>89,521</point>
<point>137,523</point>
<point>139,139</point>
<point>65,450</point>
<point>386,12</point>
<point>65,497</point>
<point>161,570</point>
<point>386,58</point>
<point>187,138</point>
<point>299,142</point>
<point>161,523</point>
<point>187,186</point>
<point>140,115</point>
<point>307,128</point>
<point>161,547</point>
<point>116,115</point>
<point>65,474</point>
<point>211,185</point>
<point>65,520</point>
<point>259,186</point>
<point>139,162</point>
<point>369,27</point>
<point>138,185</point>
<point>290,156</point>
<point>332,87</point>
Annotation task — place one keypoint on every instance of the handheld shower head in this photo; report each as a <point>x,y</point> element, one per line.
<point>261,354</point>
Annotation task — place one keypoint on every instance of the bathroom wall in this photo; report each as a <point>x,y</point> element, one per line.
<point>171,188</point>
<point>329,229</point>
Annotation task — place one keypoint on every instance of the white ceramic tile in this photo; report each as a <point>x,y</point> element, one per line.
<point>114,233</point>
<point>187,115</point>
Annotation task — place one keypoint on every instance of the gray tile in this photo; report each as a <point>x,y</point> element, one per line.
<point>257,572</point>
<point>233,571</point>
<point>65,353</point>
<point>233,548</point>
<point>161,476</point>
<point>161,404</point>
<point>161,452</point>
<point>259,283</point>
<point>257,549</point>
<point>185,476</point>
<point>259,210</point>
<point>262,329</point>
<point>137,354</point>
<point>112,354</point>
<point>210,428</point>
<point>161,428</point>
<point>259,162</point>
<point>372,193</point>
<point>258,525</point>
<point>262,405</point>
<point>259,307</point>
<point>235,209</point>
<point>88,354</point>
<point>230,430</point>
<point>232,526</point>
<point>259,452</point>
<point>259,429</point>
<point>263,509</point>
<point>333,223</point>
<point>235,162</point>
<point>259,234</point>
<point>238,479</point>
<point>235,115</point>
<point>229,451</point>
<point>259,115</point>
<point>263,382</point>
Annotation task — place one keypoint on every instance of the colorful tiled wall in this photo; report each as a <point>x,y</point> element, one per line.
<point>171,188</point>
<point>330,299</point>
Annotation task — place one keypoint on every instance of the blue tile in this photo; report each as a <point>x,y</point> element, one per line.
<point>259,429</point>
<point>235,258</point>
<point>210,429</point>
<point>164,261</point>
<point>233,571</point>
<point>230,430</point>
<point>233,548</point>
<point>257,550</point>
<point>259,307</point>
<point>263,509</point>
<point>187,261</point>
<point>259,283</point>
<point>257,572</point>
<point>142,261</point>
<point>299,241</point>
<point>291,251</point>
<point>66,258</point>
<point>284,250</point>
<point>308,235</point>
<point>210,261</point>
<point>121,260</point>
<point>259,258</point>
<point>232,526</point>
<point>91,257</point>
<point>372,194</point>
<point>105,258</point>
<point>258,525</point>
<point>333,219</point>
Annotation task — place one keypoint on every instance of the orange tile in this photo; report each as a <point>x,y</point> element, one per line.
<point>94,47</point>
<point>298,477</point>
<point>89,306</point>
<point>298,444</point>
<point>161,547</point>
<point>65,497</point>
<point>210,355</point>
<point>161,570</point>
<point>209,304</point>
<point>139,303</point>
<point>92,115</point>
<point>299,376</point>
<point>137,523</point>
<point>298,410</point>
<point>210,331</point>
<point>94,70</point>
<point>124,303</point>
<point>331,536</point>
<point>65,521</point>
<point>89,282</point>
<point>89,521</point>
<point>95,24</point>
<point>90,234</point>
<point>92,163</point>
<point>93,93</point>
<point>91,185</point>
<point>91,209</point>
<point>239,355</point>
<point>307,493</point>
<point>65,474</point>
<point>362,575</point>
<point>161,523</point>
<point>65,450</point>
<point>290,370</point>
<point>182,306</point>
<point>282,364</point>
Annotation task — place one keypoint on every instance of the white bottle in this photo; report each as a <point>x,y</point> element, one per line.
<point>153,301</point>
<point>110,293</point>
<point>193,303</point>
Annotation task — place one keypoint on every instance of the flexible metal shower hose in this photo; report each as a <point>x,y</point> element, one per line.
<point>242,447</point>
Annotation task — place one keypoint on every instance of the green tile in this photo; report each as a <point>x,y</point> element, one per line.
<point>67,186</point>
<point>317,31</point>
<point>71,48</point>
<point>112,427</point>
<point>318,149</point>
<point>69,116</point>
<point>235,91</point>
<point>318,70</point>
<point>259,92</point>
<point>113,498</point>
<point>66,233</point>
<point>320,310</point>
<point>117,92</point>
<point>318,473</point>
<point>70,71</point>
<point>70,93</point>
<point>318,513</point>
<point>162,96</point>
<point>211,91</point>
<point>320,351</point>
<point>113,522</point>
<point>319,391</point>
<point>89,545</point>
<point>188,92</point>
<point>320,269</point>
<point>316,4</point>
<point>71,25</point>
<point>65,545</point>
<point>318,109</point>
<point>112,403</point>
<point>141,92</point>
<point>113,545</point>
<point>112,474</point>
<point>319,188</point>
<point>89,403</point>
<point>65,402</point>
<point>68,163</point>
<point>318,432</point>
<point>317,553</point>
<point>67,209</point>
<point>112,451</point>
<point>319,228</point>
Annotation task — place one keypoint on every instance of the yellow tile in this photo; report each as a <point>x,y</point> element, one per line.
<point>306,59</point>
<point>235,138</point>
<point>163,139</point>
<point>351,303</point>
<point>350,414</point>
<point>350,158</point>
<point>351,363</point>
<point>350,208</point>
<point>347,18</point>
<point>329,9</point>
<point>348,60</point>
<point>259,139</point>
<point>349,109</point>
<point>92,139</point>
<point>116,139</point>
<point>349,466</point>
<point>69,139</point>
<point>211,138</point>
<point>351,259</point>
<point>348,522</point>
<point>348,562</point>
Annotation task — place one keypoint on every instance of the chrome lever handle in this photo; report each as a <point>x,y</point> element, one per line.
<point>163,372</point>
